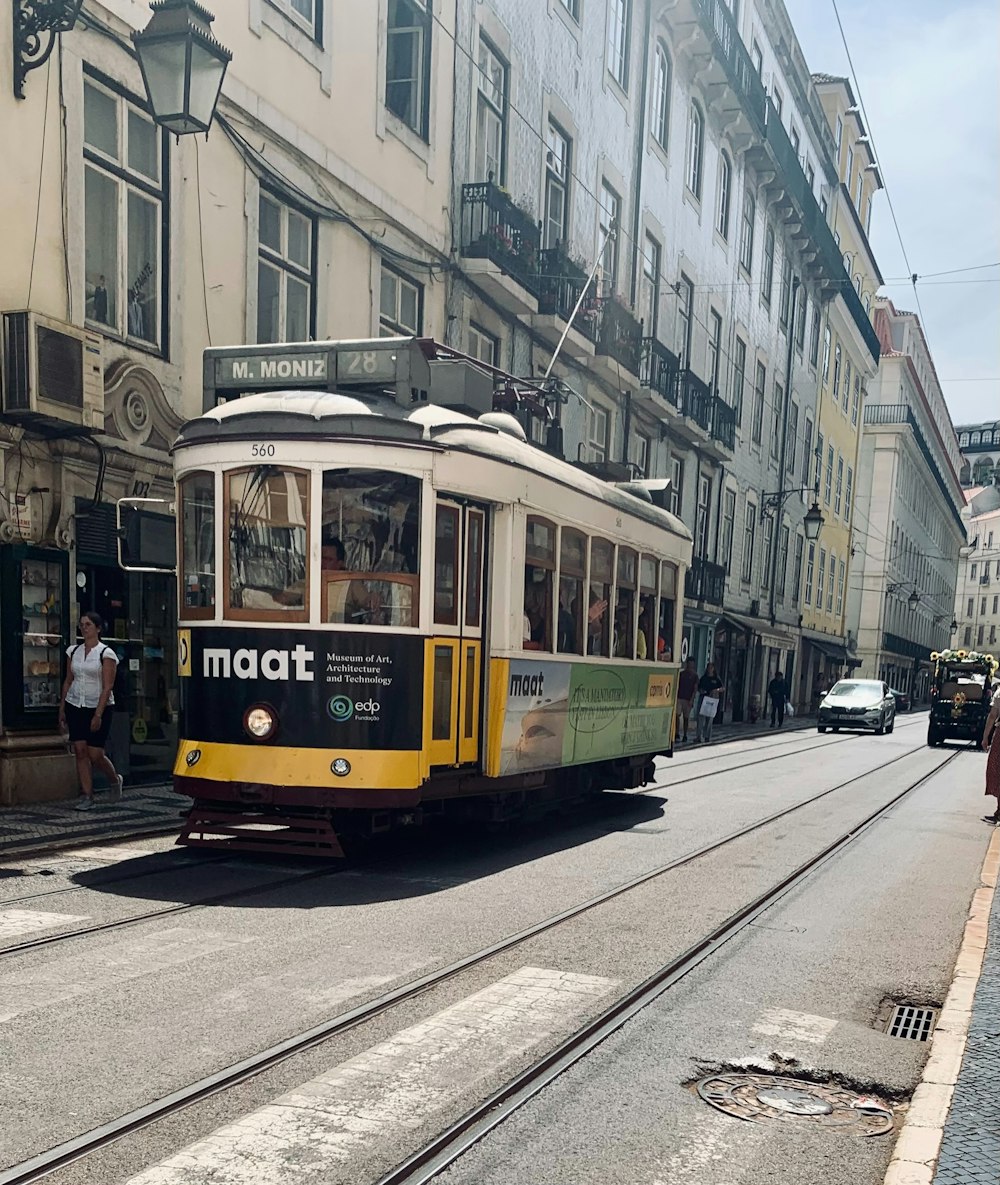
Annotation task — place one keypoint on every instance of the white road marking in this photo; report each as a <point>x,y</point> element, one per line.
<point>14,923</point>
<point>66,978</point>
<point>794,1026</point>
<point>398,1084</point>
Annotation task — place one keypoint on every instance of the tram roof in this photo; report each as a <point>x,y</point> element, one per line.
<point>329,415</point>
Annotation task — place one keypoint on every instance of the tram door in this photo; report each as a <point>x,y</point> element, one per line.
<point>455,666</point>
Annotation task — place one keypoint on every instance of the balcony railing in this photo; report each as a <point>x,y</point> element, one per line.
<point>723,422</point>
<point>705,581</point>
<point>694,399</point>
<point>718,22</point>
<point>619,334</point>
<point>494,228</point>
<point>560,284</point>
<point>658,369</point>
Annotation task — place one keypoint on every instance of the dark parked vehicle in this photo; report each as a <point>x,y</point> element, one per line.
<point>858,703</point>
<point>902,698</point>
<point>961,689</point>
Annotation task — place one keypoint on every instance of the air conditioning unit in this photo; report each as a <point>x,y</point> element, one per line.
<point>53,373</point>
<point>755,608</point>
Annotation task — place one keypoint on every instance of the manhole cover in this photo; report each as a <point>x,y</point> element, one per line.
<point>765,1097</point>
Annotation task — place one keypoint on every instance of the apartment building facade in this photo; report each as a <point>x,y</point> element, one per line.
<point>909,512</point>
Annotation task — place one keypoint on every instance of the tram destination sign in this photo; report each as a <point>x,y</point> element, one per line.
<point>381,363</point>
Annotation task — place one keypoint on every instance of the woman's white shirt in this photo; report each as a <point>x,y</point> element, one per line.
<point>88,674</point>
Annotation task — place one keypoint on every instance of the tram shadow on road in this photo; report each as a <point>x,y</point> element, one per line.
<point>411,863</point>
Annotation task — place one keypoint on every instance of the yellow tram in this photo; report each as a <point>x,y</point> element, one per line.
<point>389,607</point>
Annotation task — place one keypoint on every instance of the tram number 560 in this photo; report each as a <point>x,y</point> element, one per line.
<point>262,450</point>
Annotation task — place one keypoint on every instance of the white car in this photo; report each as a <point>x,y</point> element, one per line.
<point>858,703</point>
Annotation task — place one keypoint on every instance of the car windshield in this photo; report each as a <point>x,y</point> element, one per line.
<point>857,690</point>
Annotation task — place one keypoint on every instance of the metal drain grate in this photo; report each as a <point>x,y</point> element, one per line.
<point>913,1024</point>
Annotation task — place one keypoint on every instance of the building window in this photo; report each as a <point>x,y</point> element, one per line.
<point>640,455</point>
<point>807,438</point>
<point>757,58</point>
<point>829,583</point>
<point>608,223</point>
<point>482,345</point>
<point>285,251</point>
<point>827,341</point>
<point>408,63</point>
<point>302,12</point>
<point>725,195</point>
<point>783,539</point>
<point>776,99</point>
<point>701,516</point>
<point>125,216</point>
<point>802,305</point>
<point>401,305</point>
<point>811,177</point>
<point>850,167</point>
<point>810,570</point>
<point>839,495</point>
<point>649,286</point>
<point>766,537</point>
<point>685,300</point>
<point>828,485</point>
<point>856,403</point>
<point>848,493</point>
<point>660,109</point>
<point>746,235</point>
<point>968,635</point>
<point>796,139</point>
<point>695,149</point>
<point>767,274</point>
<point>739,376</point>
<point>491,114</point>
<point>837,356</point>
<point>618,41</point>
<point>714,349</point>
<point>821,582</point>
<point>839,136</point>
<point>793,434</point>
<point>777,407</point>
<point>859,192</point>
<point>868,215</point>
<point>819,460</point>
<point>749,533</point>
<point>760,386</point>
<point>676,485</point>
<point>786,290</point>
<point>847,382</point>
<point>557,170</point>
<point>573,8</point>
<point>597,433</point>
<point>728,528</point>
<point>979,635</point>
<point>797,569</point>
<point>814,336</point>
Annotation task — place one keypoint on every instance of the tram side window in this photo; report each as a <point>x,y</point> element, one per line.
<point>572,573</point>
<point>539,569</point>
<point>446,565</point>
<point>668,609</point>
<point>370,547</point>
<point>267,555</point>
<point>647,635</point>
<point>625,603</point>
<point>197,521</point>
<point>602,560</point>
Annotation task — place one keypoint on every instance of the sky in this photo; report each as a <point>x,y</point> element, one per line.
<point>926,72</point>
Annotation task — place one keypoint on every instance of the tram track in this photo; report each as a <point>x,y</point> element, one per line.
<point>469,1128</point>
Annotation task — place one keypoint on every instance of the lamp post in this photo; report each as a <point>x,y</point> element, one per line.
<point>812,524</point>
<point>182,64</point>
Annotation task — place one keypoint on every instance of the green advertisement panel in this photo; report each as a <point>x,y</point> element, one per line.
<point>565,713</point>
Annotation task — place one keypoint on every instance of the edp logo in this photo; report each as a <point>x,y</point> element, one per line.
<point>342,709</point>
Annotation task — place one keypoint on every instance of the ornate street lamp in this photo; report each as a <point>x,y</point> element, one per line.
<point>182,65</point>
<point>37,23</point>
<point>812,522</point>
<point>913,600</point>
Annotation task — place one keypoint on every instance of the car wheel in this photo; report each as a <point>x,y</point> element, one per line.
<point>835,728</point>
<point>880,727</point>
<point>891,725</point>
<point>821,728</point>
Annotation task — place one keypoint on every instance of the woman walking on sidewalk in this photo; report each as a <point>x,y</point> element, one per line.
<point>86,707</point>
<point>711,688</point>
<point>991,743</point>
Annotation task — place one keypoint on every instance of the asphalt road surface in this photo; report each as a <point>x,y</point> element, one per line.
<point>105,1018</point>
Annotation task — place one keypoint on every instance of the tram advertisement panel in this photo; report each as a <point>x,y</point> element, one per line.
<point>563,713</point>
<point>357,691</point>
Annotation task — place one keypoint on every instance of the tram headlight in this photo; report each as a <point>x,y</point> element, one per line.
<point>260,722</point>
<point>340,766</point>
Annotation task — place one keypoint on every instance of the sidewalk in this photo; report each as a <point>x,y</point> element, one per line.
<point>730,731</point>
<point>145,810</point>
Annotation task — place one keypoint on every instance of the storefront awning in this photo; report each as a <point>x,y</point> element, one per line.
<point>769,635</point>
<point>830,648</point>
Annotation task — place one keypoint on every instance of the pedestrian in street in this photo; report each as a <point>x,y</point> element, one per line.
<point>991,743</point>
<point>687,689</point>
<point>711,688</point>
<point>777,693</point>
<point>87,705</point>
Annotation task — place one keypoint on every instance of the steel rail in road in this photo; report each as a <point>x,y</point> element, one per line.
<point>449,1145</point>
<point>100,1137</point>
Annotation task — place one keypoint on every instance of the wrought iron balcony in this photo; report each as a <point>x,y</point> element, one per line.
<point>560,284</point>
<point>658,369</point>
<point>723,422</point>
<point>705,581</point>
<point>494,228</point>
<point>694,399</point>
<point>619,334</point>
<point>717,21</point>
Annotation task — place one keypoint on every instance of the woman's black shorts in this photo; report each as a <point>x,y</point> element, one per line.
<point>78,721</point>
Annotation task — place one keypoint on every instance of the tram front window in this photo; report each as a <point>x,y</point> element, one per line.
<point>370,545</point>
<point>267,553</point>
